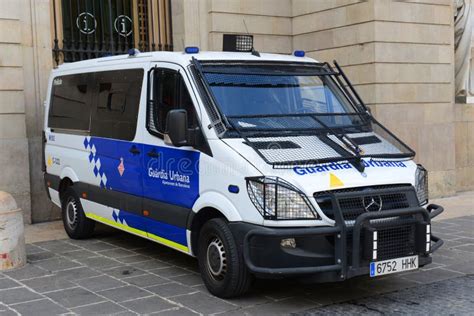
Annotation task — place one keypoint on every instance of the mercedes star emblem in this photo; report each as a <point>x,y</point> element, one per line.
<point>372,203</point>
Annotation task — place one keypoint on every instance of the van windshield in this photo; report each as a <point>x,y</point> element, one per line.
<point>280,97</point>
<point>304,110</point>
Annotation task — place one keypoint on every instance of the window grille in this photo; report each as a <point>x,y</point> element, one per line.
<point>85,29</point>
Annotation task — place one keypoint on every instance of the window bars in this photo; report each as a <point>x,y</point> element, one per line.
<point>85,29</point>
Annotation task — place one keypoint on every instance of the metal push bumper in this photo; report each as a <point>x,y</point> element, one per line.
<point>324,256</point>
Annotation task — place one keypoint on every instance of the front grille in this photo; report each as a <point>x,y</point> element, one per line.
<point>396,242</point>
<point>371,199</point>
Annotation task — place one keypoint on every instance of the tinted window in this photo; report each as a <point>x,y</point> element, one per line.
<point>186,103</point>
<point>261,94</point>
<point>118,98</point>
<point>70,103</point>
<point>166,96</point>
<point>170,93</point>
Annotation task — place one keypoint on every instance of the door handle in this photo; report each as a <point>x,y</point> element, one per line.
<point>134,150</point>
<point>153,154</point>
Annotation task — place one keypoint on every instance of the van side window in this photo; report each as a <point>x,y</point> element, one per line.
<point>170,92</point>
<point>70,103</point>
<point>117,101</point>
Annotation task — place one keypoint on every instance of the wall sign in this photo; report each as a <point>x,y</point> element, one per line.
<point>86,23</point>
<point>123,25</point>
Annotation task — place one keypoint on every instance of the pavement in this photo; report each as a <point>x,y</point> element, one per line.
<point>118,273</point>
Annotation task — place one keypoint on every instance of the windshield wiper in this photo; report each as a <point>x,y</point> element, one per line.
<point>350,145</point>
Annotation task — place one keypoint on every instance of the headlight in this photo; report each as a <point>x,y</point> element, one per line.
<point>277,199</point>
<point>421,184</point>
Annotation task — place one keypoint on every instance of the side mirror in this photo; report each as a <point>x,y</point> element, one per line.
<point>177,128</point>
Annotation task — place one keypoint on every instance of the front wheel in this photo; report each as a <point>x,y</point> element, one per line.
<point>220,262</point>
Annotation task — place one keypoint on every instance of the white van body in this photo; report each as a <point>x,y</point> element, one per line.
<point>145,185</point>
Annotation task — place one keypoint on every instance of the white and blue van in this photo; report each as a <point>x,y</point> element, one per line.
<point>259,165</point>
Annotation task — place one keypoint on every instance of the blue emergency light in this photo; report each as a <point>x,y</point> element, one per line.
<point>299,53</point>
<point>191,50</point>
<point>233,189</point>
<point>133,52</point>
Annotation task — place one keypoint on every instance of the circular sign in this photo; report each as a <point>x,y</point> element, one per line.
<point>86,23</point>
<point>123,25</point>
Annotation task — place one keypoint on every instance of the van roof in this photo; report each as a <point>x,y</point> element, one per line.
<point>179,58</point>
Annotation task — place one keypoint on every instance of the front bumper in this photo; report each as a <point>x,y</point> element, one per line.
<point>328,254</point>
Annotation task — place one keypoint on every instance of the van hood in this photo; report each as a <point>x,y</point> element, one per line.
<point>333,175</point>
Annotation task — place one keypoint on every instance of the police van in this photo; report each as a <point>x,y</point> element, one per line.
<point>260,165</point>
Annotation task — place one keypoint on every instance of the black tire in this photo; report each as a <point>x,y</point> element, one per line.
<point>76,224</point>
<point>221,264</point>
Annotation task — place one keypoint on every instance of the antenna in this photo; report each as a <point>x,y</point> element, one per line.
<point>253,51</point>
<point>245,25</point>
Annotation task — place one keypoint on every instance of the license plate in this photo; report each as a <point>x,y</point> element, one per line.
<point>390,266</point>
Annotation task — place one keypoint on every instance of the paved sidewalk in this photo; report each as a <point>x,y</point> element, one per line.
<point>449,297</point>
<point>461,204</point>
<point>458,205</point>
<point>120,273</point>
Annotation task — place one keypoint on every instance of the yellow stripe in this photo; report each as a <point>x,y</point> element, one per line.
<point>168,243</point>
<point>138,232</point>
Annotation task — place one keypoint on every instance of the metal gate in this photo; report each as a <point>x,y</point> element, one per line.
<point>85,29</point>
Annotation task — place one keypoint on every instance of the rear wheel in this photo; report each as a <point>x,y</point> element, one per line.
<point>76,224</point>
<point>220,262</point>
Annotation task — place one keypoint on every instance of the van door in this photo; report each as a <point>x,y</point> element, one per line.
<point>114,152</point>
<point>171,179</point>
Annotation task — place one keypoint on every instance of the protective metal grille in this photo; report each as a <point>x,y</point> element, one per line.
<point>370,143</point>
<point>319,138</point>
<point>422,184</point>
<point>237,43</point>
<point>211,109</point>
<point>152,117</point>
<point>308,147</point>
<point>395,242</point>
<point>354,206</point>
<point>277,199</point>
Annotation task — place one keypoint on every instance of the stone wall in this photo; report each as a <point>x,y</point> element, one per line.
<point>399,55</point>
<point>269,21</point>
<point>14,163</point>
<point>464,126</point>
<point>203,23</point>
<point>38,62</point>
<point>25,63</point>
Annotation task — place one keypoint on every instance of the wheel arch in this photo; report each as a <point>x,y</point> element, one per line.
<point>63,185</point>
<point>68,177</point>
<point>68,172</point>
<point>210,205</point>
<point>198,220</point>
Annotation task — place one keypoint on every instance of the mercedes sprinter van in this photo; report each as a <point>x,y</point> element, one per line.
<point>259,165</point>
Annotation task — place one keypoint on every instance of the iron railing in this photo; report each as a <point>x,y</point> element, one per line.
<point>85,29</point>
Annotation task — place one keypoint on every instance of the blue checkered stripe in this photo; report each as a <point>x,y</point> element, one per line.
<point>116,214</point>
<point>94,160</point>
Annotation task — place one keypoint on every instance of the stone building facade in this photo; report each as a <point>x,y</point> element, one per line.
<point>398,54</point>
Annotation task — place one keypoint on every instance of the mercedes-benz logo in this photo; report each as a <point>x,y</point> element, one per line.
<point>372,203</point>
